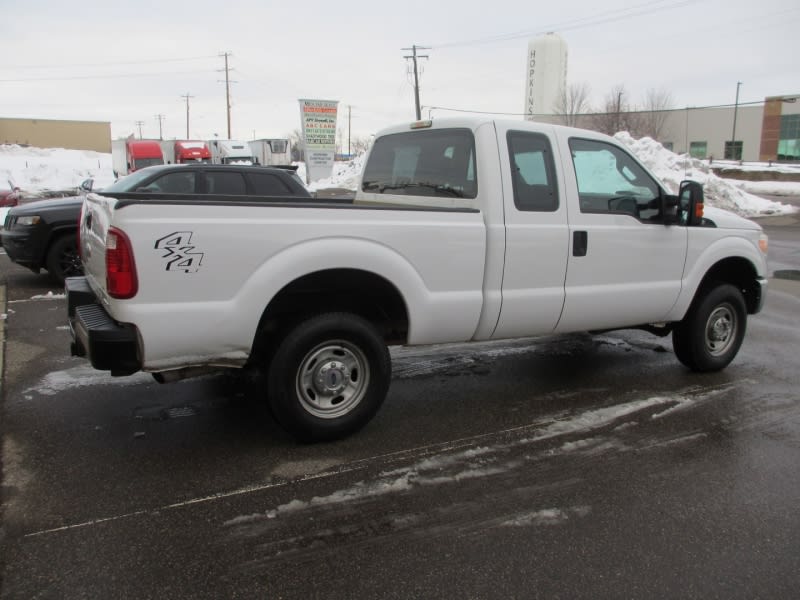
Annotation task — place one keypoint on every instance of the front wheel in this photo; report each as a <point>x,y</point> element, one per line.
<point>710,335</point>
<point>328,377</point>
<point>63,259</point>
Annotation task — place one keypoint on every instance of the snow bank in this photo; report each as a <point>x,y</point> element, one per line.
<point>770,188</point>
<point>38,170</point>
<point>344,176</point>
<point>672,168</point>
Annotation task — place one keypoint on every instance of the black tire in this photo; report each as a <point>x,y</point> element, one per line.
<point>710,335</point>
<point>328,377</point>
<point>63,259</point>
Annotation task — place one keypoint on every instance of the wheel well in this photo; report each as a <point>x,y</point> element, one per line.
<point>343,290</point>
<point>55,236</point>
<point>739,272</point>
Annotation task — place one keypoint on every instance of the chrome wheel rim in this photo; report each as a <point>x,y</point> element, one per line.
<point>332,379</point>
<point>721,329</point>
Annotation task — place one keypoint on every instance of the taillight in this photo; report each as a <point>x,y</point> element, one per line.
<point>121,281</point>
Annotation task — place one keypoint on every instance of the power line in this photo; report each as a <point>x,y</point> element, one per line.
<point>578,23</point>
<point>510,114</point>
<point>107,64</point>
<point>89,77</point>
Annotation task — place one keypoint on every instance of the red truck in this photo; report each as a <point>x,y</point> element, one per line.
<point>185,151</point>
<point>129,155</point>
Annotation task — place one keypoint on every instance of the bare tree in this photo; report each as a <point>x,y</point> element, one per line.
<point>615,114</point>
<point>297,145</point>
<point>572,101</point>
<point>657,104</point>
<point>359,144</point>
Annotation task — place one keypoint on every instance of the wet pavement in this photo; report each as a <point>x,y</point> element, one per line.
<point>572,467</point>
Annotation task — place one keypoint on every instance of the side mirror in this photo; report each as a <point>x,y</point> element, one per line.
<point>669,209</point>
<point>690,203</point>
<point>87,185</point>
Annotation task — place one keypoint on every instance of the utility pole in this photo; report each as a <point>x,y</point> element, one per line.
<point>414,58</point>
<point>160,131</point>
<point>227,90</point>
<point>139,125</point>
<point>349,116</point>
<point>186,96</point>
<point>735,110</point>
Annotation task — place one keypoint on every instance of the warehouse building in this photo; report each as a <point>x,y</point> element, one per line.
<point>48,133</point>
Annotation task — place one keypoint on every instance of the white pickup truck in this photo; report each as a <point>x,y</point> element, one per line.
<point>461,230</point>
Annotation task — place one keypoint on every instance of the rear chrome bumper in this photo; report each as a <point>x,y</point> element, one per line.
<point>109,345</point>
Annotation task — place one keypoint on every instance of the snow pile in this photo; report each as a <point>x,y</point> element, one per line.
<point>770,188</point>
<point>40,170</point>
<point>345,175</point>
<point>673,168</point>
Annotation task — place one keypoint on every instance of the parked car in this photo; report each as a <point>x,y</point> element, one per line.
<point>43,234</point>
<point>9,196</point>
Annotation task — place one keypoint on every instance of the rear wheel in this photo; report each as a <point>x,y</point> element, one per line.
<point>711,334</point>
<point>328,377</point>
<point>63,259</point>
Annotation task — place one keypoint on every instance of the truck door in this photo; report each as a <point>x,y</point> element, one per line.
<point>537,235</point>
<point>625,266</point>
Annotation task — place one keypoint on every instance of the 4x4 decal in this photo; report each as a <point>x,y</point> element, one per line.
<point>179,252</point>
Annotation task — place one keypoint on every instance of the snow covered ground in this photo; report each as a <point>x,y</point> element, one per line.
<point>38,170</point>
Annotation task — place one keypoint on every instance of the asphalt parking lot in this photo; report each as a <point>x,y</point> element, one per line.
<point>573,466</point>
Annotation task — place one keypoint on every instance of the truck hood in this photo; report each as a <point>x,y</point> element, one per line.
<point>43,205</point>
<point>728,220</point>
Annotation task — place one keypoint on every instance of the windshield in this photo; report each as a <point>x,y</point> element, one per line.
<point>141,163</point>
<point>128,183</point>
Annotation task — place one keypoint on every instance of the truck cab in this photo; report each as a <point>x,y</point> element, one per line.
<point>129,155</point>
<point>191,151</point>
<point>226,152</point>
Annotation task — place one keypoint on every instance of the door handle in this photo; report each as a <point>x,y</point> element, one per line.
<point>580,243</point>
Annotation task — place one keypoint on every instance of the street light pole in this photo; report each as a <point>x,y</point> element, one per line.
<point>735,110</point>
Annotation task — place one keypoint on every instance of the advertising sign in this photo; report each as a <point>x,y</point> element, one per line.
<point>318,119</point>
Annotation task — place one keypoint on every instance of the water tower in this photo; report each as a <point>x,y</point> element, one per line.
<point>546,74</point>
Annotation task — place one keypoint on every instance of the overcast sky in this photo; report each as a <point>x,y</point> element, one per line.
<point>128,62</point>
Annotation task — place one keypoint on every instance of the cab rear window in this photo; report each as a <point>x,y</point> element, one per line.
<point>438,163</point>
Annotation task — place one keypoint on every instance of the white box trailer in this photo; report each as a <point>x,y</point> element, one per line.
<point>274,151</point>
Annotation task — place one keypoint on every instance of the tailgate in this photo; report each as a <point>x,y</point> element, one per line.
<point>95,221</point>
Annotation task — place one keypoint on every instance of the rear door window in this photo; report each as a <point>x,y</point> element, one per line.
<point>533,172</point>
<point>267,184</point>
